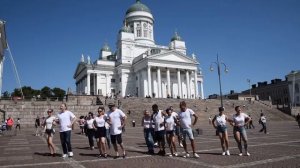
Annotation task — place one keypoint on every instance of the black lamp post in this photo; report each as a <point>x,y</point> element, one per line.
<point>218,63</point>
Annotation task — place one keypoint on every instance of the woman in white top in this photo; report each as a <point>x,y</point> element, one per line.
<point>147,124</point>
<point>48,124</point>
<point>90,131</point>
<point>100,133</point>
<point>170,121</point>
<point>238,122</point>
<point>219,123</point>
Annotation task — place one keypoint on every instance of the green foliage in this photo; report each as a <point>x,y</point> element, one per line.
<point>45,92</point>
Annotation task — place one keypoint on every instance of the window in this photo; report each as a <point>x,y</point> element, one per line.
<point>297,88</point>
<point>113,80</point>
<point>145,27</point>
<point>138,30</point>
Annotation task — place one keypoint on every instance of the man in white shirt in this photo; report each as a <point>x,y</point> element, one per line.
<point>185,121</point>
<point>66,119</point>
<point>159,128</point>
<point>116,119</point>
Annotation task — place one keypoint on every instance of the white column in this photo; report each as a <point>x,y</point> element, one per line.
<point>169,83</point>
<point>149,82</point>
<point>202,93</point>
<point>196,85</point>
<point>88,83</point>
<point>107,84</point>
<point>159,82</point>
<point>188,91</point>
<point>97,85</point>
<point>179,83</point>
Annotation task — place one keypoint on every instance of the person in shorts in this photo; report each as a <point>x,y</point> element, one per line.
<point>100,133</point>
<point>116,119</point>
<point>185,120</point>
<point>170,124</point>
<point>219,123</point>
<point>48,124</point>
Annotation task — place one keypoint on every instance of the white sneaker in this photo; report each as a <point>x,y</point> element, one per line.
<point>64,156</point>
<point>175,154</point>
<point>227,153</point>
<point>241,154</point>
<point>196,155</point>
<point>71,154</point>
<point>180,144</point>
<point>186,155</point>
<point>247,154</point>
<point>223,153</point>
<point>171,155</point>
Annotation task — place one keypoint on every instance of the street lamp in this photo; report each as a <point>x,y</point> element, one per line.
<point>248,80</point>
<point>219,74</point>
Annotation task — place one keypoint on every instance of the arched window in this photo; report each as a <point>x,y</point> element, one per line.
<point>145,27</point>
<point>297,88</point>
<point>138,30</point>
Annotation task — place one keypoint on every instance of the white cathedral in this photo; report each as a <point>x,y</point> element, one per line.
<point>139,67</point>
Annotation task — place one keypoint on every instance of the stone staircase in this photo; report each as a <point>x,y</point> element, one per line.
<point>27,111</point>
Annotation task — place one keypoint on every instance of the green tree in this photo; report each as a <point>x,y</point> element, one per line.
<point>58,92</point>
<point>46,92</point>
<point>6,95</point>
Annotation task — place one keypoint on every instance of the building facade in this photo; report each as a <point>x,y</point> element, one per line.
<point>293,79</point>
<point>3,46</point>
<point>139,67</point>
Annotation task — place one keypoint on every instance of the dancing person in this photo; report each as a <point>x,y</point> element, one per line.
<point>48,124</point>
<point>147,124</point>
<point>66,119</point>
<point>238,122</point>
<point>185,120</point>
<point>219,123</point>
<point>100,133</point>
<point>116,119</point>
<point>263,122</point>
<point>90,130</point>
<point>159,128</point>
<point>170,121</point>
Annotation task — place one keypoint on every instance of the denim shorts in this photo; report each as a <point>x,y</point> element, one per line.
<point>188,132</point>
<point>241,130</point>
<point>221,129</point>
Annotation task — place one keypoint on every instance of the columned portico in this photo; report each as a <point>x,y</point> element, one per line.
<point>188,84</point>
<point>88,84</point>
<point>196,85</point>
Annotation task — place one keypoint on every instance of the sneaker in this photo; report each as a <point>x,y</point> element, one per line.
<point>247,154</point>
<point>64,156</point>
<point>240,154</point>
<point>92,148</point>
<point>180,144</point>
<point>71,154</point>
<point>227,153</point>
<point>171,155</point>
<point>196,155</point>
<point>155,145</point>
<point>186,155</point>
<point>175,154</point>
<point>223,153</point>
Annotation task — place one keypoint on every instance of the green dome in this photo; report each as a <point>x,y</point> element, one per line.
<point>138,6</point>
<point>105,48</point>
<point>176,37</point>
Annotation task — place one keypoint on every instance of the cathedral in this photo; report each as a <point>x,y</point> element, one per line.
<point>140,67</point>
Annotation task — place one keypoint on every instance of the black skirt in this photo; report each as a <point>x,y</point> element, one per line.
<point>100,132</point>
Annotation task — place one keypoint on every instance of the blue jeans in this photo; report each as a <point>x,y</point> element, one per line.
<point>148,134</point>
<point>65,139</point>
<point>108,137</point>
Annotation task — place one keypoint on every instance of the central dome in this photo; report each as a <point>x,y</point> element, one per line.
<point>138,6</point>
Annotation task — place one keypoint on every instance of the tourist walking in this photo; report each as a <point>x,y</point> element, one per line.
<point>90,130</point>
<point>100,133</point>
<point>147,124</point>
<point>116,119</point>
<point>251,125</point>
<point>238,122</point>
<point>219,123</point>
<point>37,125</point>
<point>66,119</point>
<point>18,124</point>
<point>298,119</point>
<point>263,122</point>
<point>48,124</point>
<point>170,121</point>
<point>185,120</point>
<point>9,123</point>
<point>159,129</point>
<point>81,123</point>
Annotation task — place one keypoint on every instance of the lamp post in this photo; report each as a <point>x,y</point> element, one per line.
<point>248,80</point>
<point>218,63</point>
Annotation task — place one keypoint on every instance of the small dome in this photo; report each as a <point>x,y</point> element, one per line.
<point>176,37</point>
<point>138,6</point>
<point>105,48</point>
<point>125,29</point>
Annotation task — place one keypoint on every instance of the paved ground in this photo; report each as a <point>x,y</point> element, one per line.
<point>280,148</point>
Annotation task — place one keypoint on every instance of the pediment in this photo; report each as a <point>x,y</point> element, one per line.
<point>81,66</point>
<point>173,56</point>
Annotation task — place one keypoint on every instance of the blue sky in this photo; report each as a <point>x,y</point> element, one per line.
<point>257,39</point>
